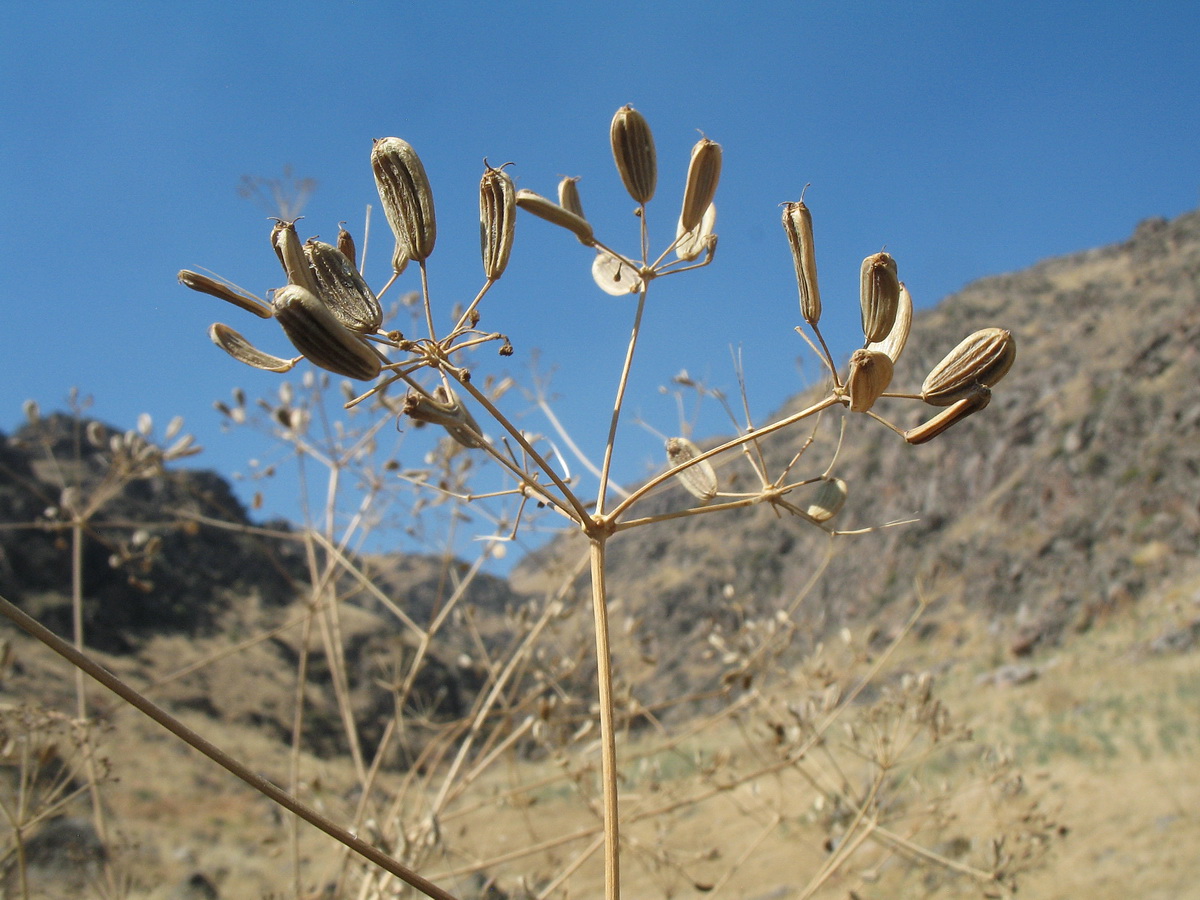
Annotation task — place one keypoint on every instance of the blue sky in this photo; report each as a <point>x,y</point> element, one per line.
<point>967,138</point>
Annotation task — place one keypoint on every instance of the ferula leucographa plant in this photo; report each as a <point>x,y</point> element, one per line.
<point>335,320</point>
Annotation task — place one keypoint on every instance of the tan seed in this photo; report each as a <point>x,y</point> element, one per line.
<point>698,479</point>
<point>568,196</point>
<point>497,220</point>
<point>345,243</point>
<point>245,352</point>
<point>552,212</point>
<point>691,243</point>
<point>342,289</point>
<point>880,296</point>
<point>828,500</point>
<point>211,286</point>
<point>977,399</point>
<point>319,336</point>
<point>983,358</point>
<point>870,375</point>
<point>797,225</point>
<point>444,408</point>
<point>704,171</point>
<point>893,344</point>
<point>407,198</point>
<point>633,151</point>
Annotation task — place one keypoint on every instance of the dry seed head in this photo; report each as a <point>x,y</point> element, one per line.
<point>893,344</point>
<point>699,479</point>
<point>797,225</point>
<point>690,243</point>
<point>633,151</point>
<point>981,359</point>
<point>704,171</point>
<point>978,398</point>
<point>342,289</point>
<point>568,196</point>
<point>828,501</point>
<point>206,285</point>
<point>550,211</point>
<point>245,352</point>
<point>497,220</point>
<point>880,296</point>
<point>319,336</point>
<point>870,375</point>
<point>407,198</point>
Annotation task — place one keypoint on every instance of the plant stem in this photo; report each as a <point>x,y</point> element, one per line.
<point>279,796</point>
<point>608,740</point>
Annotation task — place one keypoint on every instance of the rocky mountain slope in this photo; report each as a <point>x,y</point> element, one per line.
<point>1072,494</point>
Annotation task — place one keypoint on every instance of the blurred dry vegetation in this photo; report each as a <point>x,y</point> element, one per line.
<point>1039,719</point>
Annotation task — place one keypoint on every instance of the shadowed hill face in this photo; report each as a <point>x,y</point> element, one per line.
<point>1073,492</point>
<point>148,561</point>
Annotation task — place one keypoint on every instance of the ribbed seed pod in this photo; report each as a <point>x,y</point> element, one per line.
<point>342,289</point>
<point>446,409</point>
<point>552,212</point>
<point>497,221</point>
<point>245,352</point>
<point>206,285</point>
<point>406,196</point>
<point>295,263</point>
<point>345,243</point>
<point>880,296</point>
<point>699,479</point>
<point>977,399</point>
<point>692,242</point>
<point>704,171</point>
<point>319,336</point>
<point>981,359</point>
<point>870,375</point>
<point>797,225</point>
<point>568,196</point>
<point>893,344</point>
<point>828,500</point>
<point>633,151</point>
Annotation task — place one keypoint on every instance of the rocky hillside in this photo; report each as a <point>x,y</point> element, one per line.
<point>1075,492</point>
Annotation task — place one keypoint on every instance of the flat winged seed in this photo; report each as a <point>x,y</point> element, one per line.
<point>977,399</point>
<point>691,243</point>
<point>211,286</point>
<point>828,500</point>
<point>704,171</point>
<point>870,375</point>
<point>983,358</point>
<point>406,196</point>
<point>550,211</point>
<point>893,344</point>
<point>245,352</point>
<point>568,196</point>
<point>497,221</point>
<point>797,225</point>
<point>880,296</point>
<point>342,289</point>
<point>698,479</point>
<point>316,333</point>
<point>633,151</point>
<point>615,276</point>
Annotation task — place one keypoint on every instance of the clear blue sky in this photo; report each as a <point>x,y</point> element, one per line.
<point>967,138</point>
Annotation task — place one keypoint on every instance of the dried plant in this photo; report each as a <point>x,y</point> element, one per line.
<point>528,704</point>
